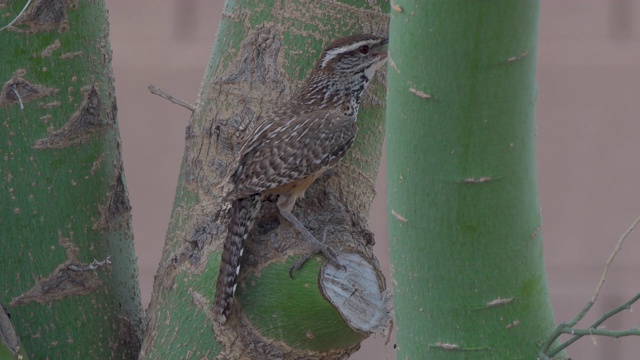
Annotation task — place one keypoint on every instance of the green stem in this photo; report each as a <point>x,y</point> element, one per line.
<point>62,189</point>
<point>464,212</point>
<point>591,330</point>
<point>602,332</point>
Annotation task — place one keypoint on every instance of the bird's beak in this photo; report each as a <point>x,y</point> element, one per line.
<point>381,50</point>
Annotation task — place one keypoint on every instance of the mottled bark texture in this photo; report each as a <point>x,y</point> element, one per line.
<point>262,53</point>
<point>69,277</point>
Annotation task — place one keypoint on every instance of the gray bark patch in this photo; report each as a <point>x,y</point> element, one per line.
<point>129,340</point>
<point>118,208</point>
<point>82,124</point>
<point>63,281</point>
<point>258,60</point>
<point>44,15</point>
<point>8,333</point>
<point>18,90</point>
<point>357,293</point>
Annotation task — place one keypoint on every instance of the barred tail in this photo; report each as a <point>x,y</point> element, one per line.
<point>243,214</point>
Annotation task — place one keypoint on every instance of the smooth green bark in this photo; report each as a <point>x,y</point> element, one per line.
<point>62,191</point>
<point>263,50</point>
<point>465,220</point>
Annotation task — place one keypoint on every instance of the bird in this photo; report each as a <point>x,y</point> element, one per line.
<point>291,146</point>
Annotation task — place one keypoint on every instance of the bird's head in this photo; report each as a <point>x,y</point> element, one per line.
<point>354,54</point>
<point>343,72</point>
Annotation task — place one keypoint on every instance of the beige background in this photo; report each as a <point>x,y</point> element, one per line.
<point>588,129</point>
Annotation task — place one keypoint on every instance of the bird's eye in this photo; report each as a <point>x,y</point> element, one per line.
<point>363,49</point>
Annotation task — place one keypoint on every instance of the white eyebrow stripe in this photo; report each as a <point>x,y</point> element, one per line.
<point>331,54</point>
<point>328,57</point>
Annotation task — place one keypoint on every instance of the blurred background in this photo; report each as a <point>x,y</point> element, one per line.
<point>588,145</point>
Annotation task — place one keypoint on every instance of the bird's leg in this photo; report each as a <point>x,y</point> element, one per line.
<point>301,261</point>
<point>316,246</point>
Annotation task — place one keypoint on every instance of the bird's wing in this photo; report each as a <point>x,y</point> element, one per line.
<point>287,149</point>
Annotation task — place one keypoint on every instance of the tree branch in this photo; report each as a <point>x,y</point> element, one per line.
<point>568,328</point>
<point>593,329</point>
<point>157,91</point>
<point>17,17</point>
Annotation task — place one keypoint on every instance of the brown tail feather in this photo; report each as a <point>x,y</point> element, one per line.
<point>243,214</point>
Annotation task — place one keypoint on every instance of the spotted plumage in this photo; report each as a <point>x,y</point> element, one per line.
<point>316,140</point>
<point>293,145</point>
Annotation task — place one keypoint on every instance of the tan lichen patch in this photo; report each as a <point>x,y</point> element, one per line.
<point>63,281</point>
<point>96,164</point>
<point>513,324</point>
<point>70,55</point>
<point>398,216</point>
<point>50,49</point>
<point>478,180</point>
<point>499,302</point>
<point>447,346</point>
<point>82,124</point>
<point>50,105</point>
<point>167,277</point>
<point>42,16</point>
<point>20,91</point>
<point>117,205</point>
<point>419,93</point>
<point>519,56</point>
<point>203,304</point>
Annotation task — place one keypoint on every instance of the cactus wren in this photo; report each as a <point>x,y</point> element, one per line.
<point>292,146</point>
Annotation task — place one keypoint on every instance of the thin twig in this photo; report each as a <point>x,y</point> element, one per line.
<point>17,17</point>
<point>603,332</point>
<point>95,265</point>
<point>560,329</point>
<point>615,252</point>
<point>15,91</point>
<point>625,306</point>
<point>593,329</point>
<point>550,340</point>
<point>155,90</point>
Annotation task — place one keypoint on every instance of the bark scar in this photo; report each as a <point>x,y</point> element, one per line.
<point>111,214</point>
<point>20,91</point>
<point>64,281</point>
<point>82,124</point>
<point>44,15</point>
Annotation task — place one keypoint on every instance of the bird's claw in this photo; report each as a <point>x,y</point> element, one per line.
<point>320,247</point>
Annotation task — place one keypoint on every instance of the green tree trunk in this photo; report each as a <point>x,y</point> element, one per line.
<point>263,50</point>
<point>466,246</point>
<point>63,200</point>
